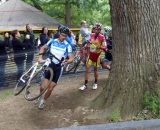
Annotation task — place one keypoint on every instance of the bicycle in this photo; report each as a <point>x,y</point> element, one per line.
<point>79,60</point>
<point>34,76</point>
<point>79,56</point>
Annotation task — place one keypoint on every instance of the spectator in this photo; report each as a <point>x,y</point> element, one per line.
<point>9,42</point>
<point>54,32</point>
<point>44,38</point>
<point>84,32</point>
<point>30,48</point>
<point>3,59</point>
<point>19,53</point>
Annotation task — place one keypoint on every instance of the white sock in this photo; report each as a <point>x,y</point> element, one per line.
<point>42,101</point>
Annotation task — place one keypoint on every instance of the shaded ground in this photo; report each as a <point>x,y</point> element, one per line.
<point>64,108</point>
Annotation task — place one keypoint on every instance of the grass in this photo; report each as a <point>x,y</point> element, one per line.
<point>6,94</point>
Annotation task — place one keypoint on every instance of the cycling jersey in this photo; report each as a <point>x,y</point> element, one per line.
<point>58,49</point>
<point>94,55</point>
<point>97,41</point>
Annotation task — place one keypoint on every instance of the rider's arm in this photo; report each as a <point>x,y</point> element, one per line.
<point>44,47</point>
<point>104,44</point>
<point>103,47</point>
<point>70,60</point>
<point>42,50</point>
<point>70,55</point>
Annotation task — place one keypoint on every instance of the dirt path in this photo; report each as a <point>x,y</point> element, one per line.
<point>64,108</point>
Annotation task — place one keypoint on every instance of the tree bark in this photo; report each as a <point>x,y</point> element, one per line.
<point>136,56</point>
<point>67,13</point>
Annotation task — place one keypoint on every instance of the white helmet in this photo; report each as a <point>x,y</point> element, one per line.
<point>108,28</point>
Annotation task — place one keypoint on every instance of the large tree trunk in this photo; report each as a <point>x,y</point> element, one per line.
<point>67,13</point>
<point>136,56</point>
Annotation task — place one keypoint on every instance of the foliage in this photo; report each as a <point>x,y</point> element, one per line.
<point>115,116</point>
<point>90,10</point>
<point>152,102</point>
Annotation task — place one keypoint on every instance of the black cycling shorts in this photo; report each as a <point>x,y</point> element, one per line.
<point>57,71</point>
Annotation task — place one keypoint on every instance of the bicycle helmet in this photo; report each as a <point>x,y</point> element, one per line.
<point>64,29</point>
<point>98,26</point>
<point>107,28</point>
<point>60,26</point>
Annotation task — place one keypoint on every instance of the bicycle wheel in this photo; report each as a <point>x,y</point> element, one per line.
<point>73,64</point>
<point>21,84</point>
<point>79,66</point>
<point>32,90</point>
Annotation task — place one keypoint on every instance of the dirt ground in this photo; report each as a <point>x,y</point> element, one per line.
<point>65,107</point>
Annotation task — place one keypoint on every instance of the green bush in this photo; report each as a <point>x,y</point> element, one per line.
<point>152,102</point>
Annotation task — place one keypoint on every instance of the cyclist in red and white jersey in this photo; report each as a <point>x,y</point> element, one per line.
<point>98,43</point>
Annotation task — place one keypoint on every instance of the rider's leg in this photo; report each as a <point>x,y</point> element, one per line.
<point>49,90</point>
<point>96,65</point>
<point>88,66</point>
<point>105,65</point>
<point>95,74</point>
<point>57,74</point>
<point>44,83</point>
<point>86,75</point>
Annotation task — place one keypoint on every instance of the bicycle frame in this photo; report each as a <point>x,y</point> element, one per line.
<point>34,67</point>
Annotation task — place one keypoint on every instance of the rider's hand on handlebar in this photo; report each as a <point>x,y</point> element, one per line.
<point>40,60</point>
<point>64,62</point>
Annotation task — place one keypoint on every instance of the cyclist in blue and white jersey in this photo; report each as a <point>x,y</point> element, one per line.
<point>61,49</point>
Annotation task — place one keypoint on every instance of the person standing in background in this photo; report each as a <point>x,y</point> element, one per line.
<point>84,32</point>
<point>44,38</point>
<point>19,52</point>
<point>3,59</point>
<point>30,48</point>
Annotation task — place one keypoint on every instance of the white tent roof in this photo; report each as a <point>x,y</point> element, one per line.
<point>15,14</point>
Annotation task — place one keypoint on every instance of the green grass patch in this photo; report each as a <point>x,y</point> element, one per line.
<point>6,94</point>
<point>115,116</point>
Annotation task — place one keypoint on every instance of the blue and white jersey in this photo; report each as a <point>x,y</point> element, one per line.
<point>59,49</point>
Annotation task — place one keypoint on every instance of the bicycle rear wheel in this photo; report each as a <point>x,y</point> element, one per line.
<point>21,83</point>
<point>81,66</point>
<point>32,90</point>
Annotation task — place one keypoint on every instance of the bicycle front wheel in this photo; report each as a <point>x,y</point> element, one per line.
<point>32,90</point>
<point>21,83</point>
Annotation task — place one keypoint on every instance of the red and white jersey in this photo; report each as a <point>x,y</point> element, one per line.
<point>97,41</point>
